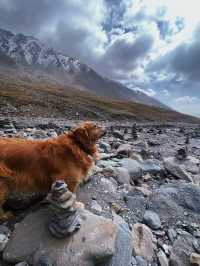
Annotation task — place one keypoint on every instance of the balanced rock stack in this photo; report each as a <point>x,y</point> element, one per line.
<point>182,153</point>
<point>187,140</point>
<point>134,131</point>
<point>7,126</point>
<point>66,218</point>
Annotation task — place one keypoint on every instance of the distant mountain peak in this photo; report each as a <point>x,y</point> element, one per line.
<point>27,51</point>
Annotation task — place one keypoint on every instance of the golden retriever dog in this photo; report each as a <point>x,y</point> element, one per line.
<point>33,165</point>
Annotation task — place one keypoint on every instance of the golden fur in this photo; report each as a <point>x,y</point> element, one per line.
<point>33,165</point>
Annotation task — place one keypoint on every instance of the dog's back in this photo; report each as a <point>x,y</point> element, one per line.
<point>25,163</point>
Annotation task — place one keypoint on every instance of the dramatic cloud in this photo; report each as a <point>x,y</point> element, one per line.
<point>125,54</point>
<point>71,26</point>
<point>149,92</point>
<point>183,60</point>
<point>149,44</point>
<point>188,104</point>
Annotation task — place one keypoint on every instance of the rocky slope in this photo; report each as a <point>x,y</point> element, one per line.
<point>146,184</point>
<point>26,54</point>
<point>22,97</point>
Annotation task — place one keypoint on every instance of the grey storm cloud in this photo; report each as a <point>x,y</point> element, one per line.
<point>79,29</point>
<point>28,16</point>
<point>117,42</point>
<point>183,60</point>
<point>186,60</point>
<point>67,25</point>
<point>125,54</point>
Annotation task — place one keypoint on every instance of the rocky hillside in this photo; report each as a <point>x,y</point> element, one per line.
<point>22,97</point>
<point>26,54</point>
<point>142,203</point>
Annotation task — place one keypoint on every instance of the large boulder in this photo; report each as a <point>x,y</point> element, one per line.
<point>172,201</point>
<point>99,241</point>
<point>152,166</point>
<point>136,202</point>
<point>152,220</point>
<point>191,165</point>
<point>134,168</point>
<point>181,251</point>
<point>177,168</point>
<point>122,175</point>
<point>143,242</point>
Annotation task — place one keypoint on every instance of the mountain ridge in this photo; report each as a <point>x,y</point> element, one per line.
<point>22,97</point>
<point>23,52</point>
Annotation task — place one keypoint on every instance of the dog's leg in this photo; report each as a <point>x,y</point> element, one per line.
<point>73,185</point>
<point>3,194</point>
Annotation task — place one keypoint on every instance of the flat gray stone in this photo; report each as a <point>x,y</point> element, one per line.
<point>152,166</point>
<point>152,220</point>
<point>177,168</point>
<point>143,242</point>
<point>134,168</point>
<point>122,175</point>
<point>182,248</point>
<point>172,201</point>
<point>98,241</point>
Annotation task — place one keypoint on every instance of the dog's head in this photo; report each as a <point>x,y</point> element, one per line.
<point>87,134</point>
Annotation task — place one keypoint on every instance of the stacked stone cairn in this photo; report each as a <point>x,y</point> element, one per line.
<point>187,140</point>
<point>182,153</point>
<point>7,126</point>
<point>111,130</point>
<point>134,131</point>
<point>66,218</point>
<point>125,130</point>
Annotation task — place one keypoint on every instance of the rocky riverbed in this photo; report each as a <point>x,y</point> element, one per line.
<point>147,179</point>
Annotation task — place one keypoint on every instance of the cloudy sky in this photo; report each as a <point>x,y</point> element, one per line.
<point>149,45</point>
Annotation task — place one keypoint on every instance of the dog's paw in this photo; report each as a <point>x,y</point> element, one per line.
<point>79,205</point>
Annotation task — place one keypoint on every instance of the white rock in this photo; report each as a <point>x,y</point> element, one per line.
<point>96,206</point>
<point>176,168</point>
<point>122,175</point>
<point>134,168</point>
<point>143,242</point>
<point>195,259</point>
<point>162,258</point>
<point>108,185</point>
<point>3,241</point>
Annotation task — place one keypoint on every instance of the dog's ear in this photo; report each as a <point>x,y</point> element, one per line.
<point>81,135</point>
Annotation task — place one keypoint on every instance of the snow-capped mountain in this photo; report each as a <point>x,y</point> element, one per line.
<point>26,52</point>
<point>29,50</point>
